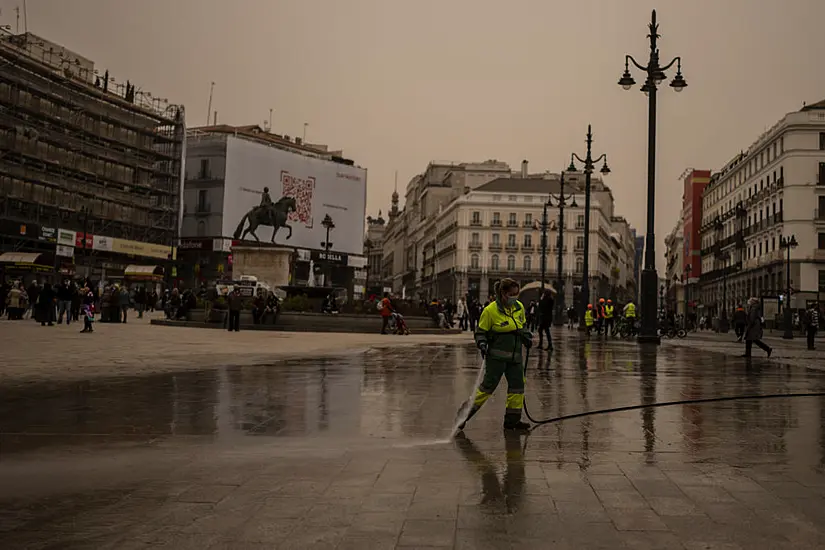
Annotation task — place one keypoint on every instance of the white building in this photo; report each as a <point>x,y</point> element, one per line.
<point>475,234</point>
<point>776,188</point>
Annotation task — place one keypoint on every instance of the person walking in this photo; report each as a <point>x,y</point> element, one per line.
<point>45,305</point>
<point>385,309</point>
<point>500,335</point>
<point>608,318</point>
<point>545,318</point>
<point>64,302</point>
<point>753,329</point>
<point>812,326</point>
<point>461,314</point>
<point>740,320</point>
<point>235,303</point>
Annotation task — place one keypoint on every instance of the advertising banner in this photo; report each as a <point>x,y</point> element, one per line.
<point>136,248</point>
<point>48,234</point>
<point>102,243</point>
<point>301,192</point>
<point>66,237</point>
<point>90,242</point>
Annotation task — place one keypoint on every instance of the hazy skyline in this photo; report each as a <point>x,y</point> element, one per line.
<point>396,85</point>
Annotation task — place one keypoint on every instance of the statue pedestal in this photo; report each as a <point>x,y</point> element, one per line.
<point>270,264</point>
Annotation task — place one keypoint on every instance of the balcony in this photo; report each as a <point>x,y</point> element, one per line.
<point>511,247</point>
<point>777,218</point>
<point>527,223</point>
<point>495,223</point>
<point>475,223</point>
<point>512,223</point>
<point>528,248</point>
<point>474,245</point>
<point>495,247</point>
<point>203,209</point>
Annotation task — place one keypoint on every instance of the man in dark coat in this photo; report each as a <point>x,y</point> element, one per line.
<point>753,329</point>
<point>740,320</point>
<point>546,317</point>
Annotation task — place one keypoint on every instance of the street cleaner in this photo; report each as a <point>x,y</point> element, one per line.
<point>500,336</point>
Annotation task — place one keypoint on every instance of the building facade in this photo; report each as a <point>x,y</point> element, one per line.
<point>674,287</point>
<point>228,171</point>
<point>775,189</point>
<point>374,250</point>
<point>478,235</point>
<point>694,182</point>
<point>83,154</point>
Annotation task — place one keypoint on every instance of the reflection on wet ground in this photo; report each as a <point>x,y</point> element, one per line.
<point>345,453</point>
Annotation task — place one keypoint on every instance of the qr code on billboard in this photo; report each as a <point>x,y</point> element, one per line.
<point>301,190</point>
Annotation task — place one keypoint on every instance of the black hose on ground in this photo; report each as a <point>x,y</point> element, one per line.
<point>659,404</point>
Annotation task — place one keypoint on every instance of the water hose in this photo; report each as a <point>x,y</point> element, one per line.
<point>659,404</point>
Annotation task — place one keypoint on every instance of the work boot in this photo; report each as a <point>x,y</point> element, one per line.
<point>512,421</point>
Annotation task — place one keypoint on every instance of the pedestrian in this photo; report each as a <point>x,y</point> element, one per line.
<point>385,309</point>
<point>125,303</point>
<point>608,318</point>
<point>753,329</point>
<point>589,319</point>
<point>571,318</point>
<point>740,319</point>
<point>235,303</point>
<point>812,325</point>
<point>545,315</point>
<point>140,301</point>
<point>461,313</point>
<point>500,335</point>
<point>64,302</point>
<point>46,299</point>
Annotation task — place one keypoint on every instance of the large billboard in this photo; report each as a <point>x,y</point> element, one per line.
<point>303,190</point>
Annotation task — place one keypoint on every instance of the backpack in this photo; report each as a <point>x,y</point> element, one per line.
<point>380,305</point>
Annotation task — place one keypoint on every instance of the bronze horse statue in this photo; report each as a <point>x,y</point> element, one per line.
<point>274,216</point>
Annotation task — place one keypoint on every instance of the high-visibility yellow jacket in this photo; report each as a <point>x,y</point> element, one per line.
<point>630,311</point>
<point>588,318</point>
<point>502,329</point>
<point>608,312</point>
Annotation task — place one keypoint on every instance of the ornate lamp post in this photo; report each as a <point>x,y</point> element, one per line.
<point>561,200</point>
<point>787,244</point>
<point>654,76</point>
<point>588,162</point>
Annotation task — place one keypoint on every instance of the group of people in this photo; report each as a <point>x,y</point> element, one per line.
<point>50,304</point>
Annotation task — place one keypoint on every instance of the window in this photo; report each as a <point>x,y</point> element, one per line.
<point>496,218</point>
<point>580,242</point>
<point>822,280</point>
<point>528,263</point>
<point>511,263</point>
<point>474,238</point>
<point>821,211</point>
<point>512,221</point>
<point>496,198</point>
<point>782,145</point>
<point>579,265</point>
<point>476,219</point>
<point>494,262</point>
<point>580,221</point>
<point>528,240</point>
<point>773,243</point>
<point>204,171</point>
<point>820,180</point>
<point>202,200</point>
<point>512,198</point>
<point>201,229</point>
<point>511,240</point>
<point>496,239</point>
<point>822,141</point>
<point>528,219</point>
<point>474,261</point>
<point>821,245</point>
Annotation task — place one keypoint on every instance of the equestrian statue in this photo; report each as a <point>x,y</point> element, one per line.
<point>268,213</point>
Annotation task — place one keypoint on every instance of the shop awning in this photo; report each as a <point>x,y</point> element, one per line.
<point>33,261</point>
<point>143,272</point>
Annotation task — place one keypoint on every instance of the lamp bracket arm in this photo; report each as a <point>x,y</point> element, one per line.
<point>601,157</point>
<point>578,158</point>
<point>674,60</point>
<point>636,63</point>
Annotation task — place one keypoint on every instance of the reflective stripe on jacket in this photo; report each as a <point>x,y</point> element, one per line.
<point>608,312</point>
<point>588,318</point>
<point>631,310</point>
<point>501,328</point>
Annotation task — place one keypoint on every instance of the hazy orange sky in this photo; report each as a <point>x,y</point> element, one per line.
<point>397,84</point>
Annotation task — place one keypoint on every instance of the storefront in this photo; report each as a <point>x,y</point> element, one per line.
<point>25,266</point>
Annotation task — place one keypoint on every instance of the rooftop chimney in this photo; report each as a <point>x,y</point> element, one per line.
<point>524,169</point>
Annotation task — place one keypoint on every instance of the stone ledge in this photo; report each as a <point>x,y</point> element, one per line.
<point>375,327</point>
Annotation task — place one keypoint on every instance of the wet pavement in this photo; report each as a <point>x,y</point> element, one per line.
<point>353,452</point>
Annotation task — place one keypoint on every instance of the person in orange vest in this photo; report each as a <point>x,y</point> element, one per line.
<point>589,319</point>
<point>608,318</point>
<point>600,316</point>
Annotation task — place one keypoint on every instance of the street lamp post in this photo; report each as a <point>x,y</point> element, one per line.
<point>724,257</point>
<point>561,199</point>
<point>787,244</point>
<point>688,269</point>
<point>329,226</point>
<point>588,162</point>
<point>654,76</point>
